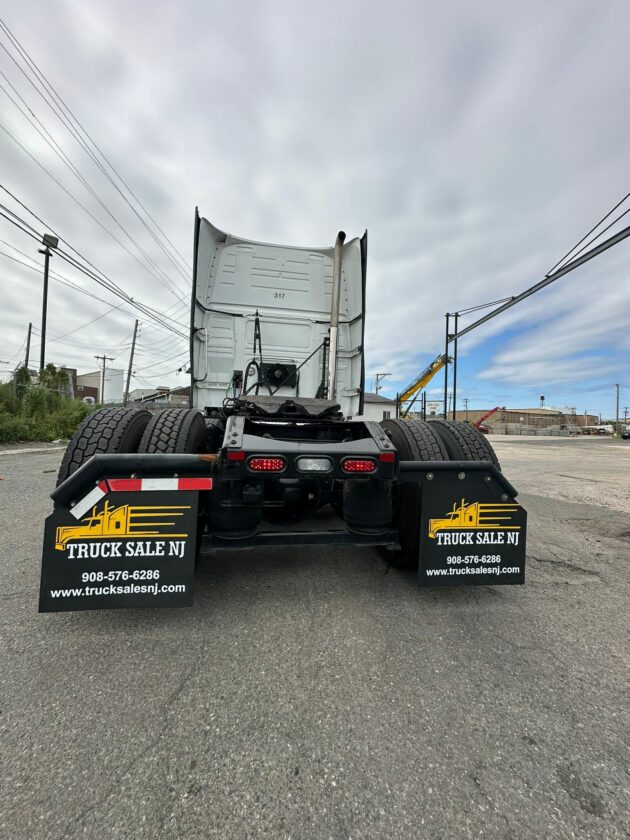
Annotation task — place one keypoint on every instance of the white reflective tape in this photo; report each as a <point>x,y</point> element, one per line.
<point>92,498</point>
<point>159,484</point>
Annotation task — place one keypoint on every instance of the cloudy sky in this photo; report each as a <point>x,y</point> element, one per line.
<point>476,141</point>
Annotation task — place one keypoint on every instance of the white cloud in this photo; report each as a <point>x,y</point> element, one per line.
<point>476,142</point>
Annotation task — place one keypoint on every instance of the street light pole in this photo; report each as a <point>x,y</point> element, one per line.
<point>377,385</point>
<point>49,242</point>
<point>42,353</point>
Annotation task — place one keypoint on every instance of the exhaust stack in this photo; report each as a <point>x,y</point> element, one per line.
<point>334,315</point>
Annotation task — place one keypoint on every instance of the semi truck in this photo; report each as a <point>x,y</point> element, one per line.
<point>272,450</point>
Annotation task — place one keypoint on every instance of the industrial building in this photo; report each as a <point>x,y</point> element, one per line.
<point>505,419</point>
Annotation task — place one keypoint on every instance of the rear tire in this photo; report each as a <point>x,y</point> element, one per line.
<point>415,440</point>
<point>463,442</point>
<point>175,430</point>
<point>180,431</point>
<point>108,430</point>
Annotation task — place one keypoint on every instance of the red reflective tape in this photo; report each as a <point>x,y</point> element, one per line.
<point>387,457</point>
<point>125,484</point>
<point>235,455</point>
<point>194,484</point>
<point>103,486</point>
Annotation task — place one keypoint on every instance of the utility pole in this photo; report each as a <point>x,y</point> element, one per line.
<point>466,406</point>
<point>49,242</point>
<point>625,415</point>
<point>617,413</point>
<point>28,344</point>
<point>104,358</point>
<point>377,386</point>
<point>133,348</point>
<point>456,318</point>
<point>448,324</point>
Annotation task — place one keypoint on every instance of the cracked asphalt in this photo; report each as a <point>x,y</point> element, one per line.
<point>320,695</point>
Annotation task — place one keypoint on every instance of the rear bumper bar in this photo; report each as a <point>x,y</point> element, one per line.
<point>150,465</point>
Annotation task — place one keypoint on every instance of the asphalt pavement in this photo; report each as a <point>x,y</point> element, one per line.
<point>317,694</point>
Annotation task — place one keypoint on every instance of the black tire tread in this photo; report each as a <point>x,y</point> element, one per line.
<point>105,430</point>
<point>463,442</point>
<point>173,430</point>
<point>423,442</point>
<point>415,440</point>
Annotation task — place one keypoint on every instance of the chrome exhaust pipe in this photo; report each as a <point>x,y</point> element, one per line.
<point>334,315</point>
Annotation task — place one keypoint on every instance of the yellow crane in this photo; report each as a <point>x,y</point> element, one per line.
<point>421,381</point>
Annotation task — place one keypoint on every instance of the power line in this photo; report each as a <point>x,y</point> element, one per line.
<point>550,278</point>
<point>67,117</point>
<point>64,281</point>
<point>89,213</point>
<point>87,324</point>
<point>586,235</point>
<point>52,143</point>
<point>102,280</point>
<point>60,251</point>
<point>596,237</point>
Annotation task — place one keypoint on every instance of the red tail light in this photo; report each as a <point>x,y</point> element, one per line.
<point>358,465</point>
<point>260,464</point>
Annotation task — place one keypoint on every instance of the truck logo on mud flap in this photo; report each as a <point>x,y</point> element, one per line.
<point>124,521</point>
<point>477,516</point>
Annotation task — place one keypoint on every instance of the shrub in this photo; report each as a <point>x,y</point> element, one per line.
<point>38,412</point>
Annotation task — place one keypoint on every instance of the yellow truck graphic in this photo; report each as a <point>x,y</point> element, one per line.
<point>479,515</point>
<point>137,521</point>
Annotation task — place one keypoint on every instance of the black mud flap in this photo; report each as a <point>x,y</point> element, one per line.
<point>473,532</point>
<point>120,546</point>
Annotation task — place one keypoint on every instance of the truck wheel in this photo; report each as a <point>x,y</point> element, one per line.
<point>175,430</point>
<point>181,431</point>
<point>463,442</point>
<point>415,440</point>
<point>111,430</point>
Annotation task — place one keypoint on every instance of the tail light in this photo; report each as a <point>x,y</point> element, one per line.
<point>264,464</point>
<point>359,466</point>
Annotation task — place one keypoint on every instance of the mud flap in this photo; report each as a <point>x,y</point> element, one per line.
<point>117,549</point>
<point>473,533</point>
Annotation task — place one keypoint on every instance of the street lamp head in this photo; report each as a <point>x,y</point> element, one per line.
<point>50,241</point>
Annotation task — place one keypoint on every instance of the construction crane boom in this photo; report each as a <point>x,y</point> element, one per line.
<point>479,422</point>
<point>423,379</point>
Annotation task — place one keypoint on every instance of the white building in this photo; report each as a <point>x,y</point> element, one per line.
<point>378,408</point>
<point>114,384</point>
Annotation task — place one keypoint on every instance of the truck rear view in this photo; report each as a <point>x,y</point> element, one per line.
<point>273,450</point>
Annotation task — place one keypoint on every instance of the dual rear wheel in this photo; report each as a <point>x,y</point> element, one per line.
<point>417,440</point>
<point>128,430</point>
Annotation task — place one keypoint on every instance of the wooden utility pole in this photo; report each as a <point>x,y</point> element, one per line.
<point>133,349</point>
<point>104,358</point>
<point>28,345</point>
